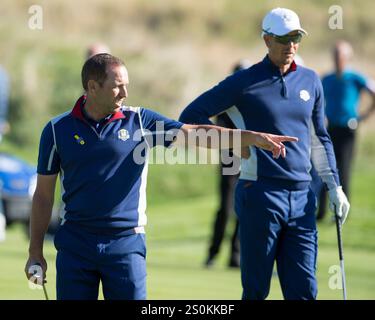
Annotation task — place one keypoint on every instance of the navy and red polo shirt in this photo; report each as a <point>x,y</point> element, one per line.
<point>103,169</point>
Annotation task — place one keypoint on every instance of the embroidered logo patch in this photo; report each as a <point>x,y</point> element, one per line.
<point>123,134</point>
<point>304,95</point>
<point>79,139</point>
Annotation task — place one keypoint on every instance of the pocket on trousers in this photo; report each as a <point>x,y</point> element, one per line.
<point>137,271</point>
<point>248,184</point>
<point>143,248</point>
<point>244,190</point>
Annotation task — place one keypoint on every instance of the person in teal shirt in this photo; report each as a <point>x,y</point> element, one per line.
<point>342,91</point>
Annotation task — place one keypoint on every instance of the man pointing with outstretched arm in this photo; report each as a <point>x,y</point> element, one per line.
<point>275,206</point>
<point>103,184</point>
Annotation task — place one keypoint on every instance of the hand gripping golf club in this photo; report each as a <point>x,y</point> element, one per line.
<point>341,256</point>
<point>38,276</point>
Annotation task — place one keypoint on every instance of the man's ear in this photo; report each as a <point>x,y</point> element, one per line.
<point>267,40</point>
<point>92,86</point>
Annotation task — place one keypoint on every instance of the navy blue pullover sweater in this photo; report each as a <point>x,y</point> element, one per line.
<point>260,98</point>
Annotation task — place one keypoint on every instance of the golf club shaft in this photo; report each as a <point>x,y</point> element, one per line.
<point>45,292</point>
<point>343,279</point>
<point>341,256</point>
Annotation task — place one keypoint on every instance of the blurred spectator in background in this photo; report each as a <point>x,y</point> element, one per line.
<point>227,186</point>
<point>97,48</point>
<point>4,126</point>
<point>342,90</point>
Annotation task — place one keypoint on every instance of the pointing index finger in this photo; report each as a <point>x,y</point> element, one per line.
<point>288,138</point>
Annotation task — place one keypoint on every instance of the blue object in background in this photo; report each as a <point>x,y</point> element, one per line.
<point>17,186</point>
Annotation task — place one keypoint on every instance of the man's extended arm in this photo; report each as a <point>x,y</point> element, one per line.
<point>210,136</point>
<point>370,86</point>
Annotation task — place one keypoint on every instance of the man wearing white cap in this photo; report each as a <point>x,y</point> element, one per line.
<point>275,206</point>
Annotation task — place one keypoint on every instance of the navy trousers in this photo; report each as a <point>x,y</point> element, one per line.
<point>84,259</point>
<point>277,224</point>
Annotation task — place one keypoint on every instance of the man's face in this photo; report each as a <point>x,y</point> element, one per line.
<point>281,54</point>
<point>341,57</point>
<point>114,90</point>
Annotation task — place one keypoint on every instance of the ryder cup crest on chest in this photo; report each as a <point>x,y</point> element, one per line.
<point>123,134</point>
<point>304,95</point>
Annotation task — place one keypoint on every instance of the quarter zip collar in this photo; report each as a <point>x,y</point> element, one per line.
<point>276,71</point>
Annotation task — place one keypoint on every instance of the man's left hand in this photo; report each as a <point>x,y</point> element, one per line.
<point>338,203</point>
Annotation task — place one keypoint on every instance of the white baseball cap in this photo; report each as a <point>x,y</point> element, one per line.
<point>281,21</point>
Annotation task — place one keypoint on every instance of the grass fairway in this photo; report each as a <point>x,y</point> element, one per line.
<point>177,241</point>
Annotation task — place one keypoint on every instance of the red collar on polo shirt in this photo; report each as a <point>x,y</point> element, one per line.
<point>78,110</point>
<point>267,60</point>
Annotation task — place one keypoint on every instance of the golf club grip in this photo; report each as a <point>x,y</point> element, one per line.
<point>43,284</point>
